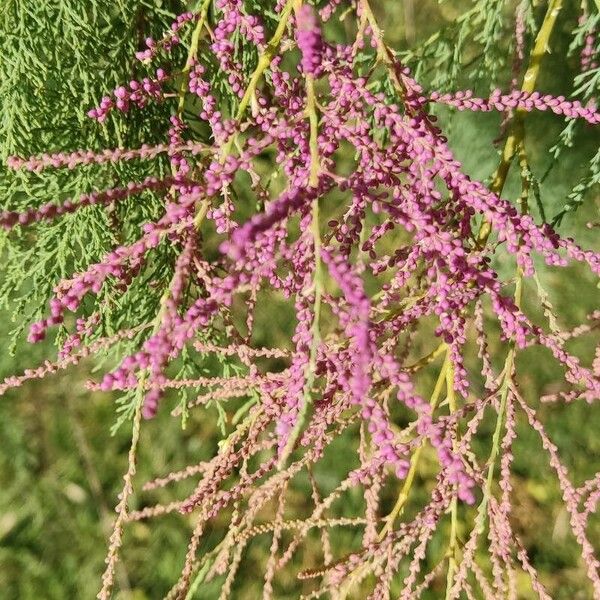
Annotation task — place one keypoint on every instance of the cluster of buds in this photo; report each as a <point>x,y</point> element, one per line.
<point>405,258</point>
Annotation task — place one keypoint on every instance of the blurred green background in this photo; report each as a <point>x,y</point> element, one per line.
<point>60,469</point>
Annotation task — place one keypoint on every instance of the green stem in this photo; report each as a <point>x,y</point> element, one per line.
<point>517,135</point>
<point>495,451</point>
<point>193,50</point>
<point>384,53</point>
<point>203,13</point>
<point>454,502</point>
<point>314,131</point>
<point>514,145</point>
<point>414,461</point>
<point>306,403</point>
<point>263,63</point>
<point>426,360</point>
<point>318,278</point>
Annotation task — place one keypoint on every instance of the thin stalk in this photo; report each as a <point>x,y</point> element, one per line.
<point>191,56</point>
<point>513,146</point>
<point>452,545</point>
<point>507,373</point>
<point>384,53</point>
<point>263,63</point>
<point>515,139</point>
<point>414,461</point>
<point>318,277</point>
<point>202,14</point>
<point>426,360</point>
<point>122,508</point>
<point>311,109</point>
<point>508,370</point>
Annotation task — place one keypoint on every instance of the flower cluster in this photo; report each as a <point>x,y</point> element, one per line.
<point>49,211</point>
<point>519,100</point>
<point>408,243</point>
<point>168,41</point>
<point>309,40</point>
<point>137,93</point>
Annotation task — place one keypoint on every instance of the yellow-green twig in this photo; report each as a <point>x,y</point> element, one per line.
<point>516,137</point>
<point>193,50</point>
<point>311,109</point>
<point>318,283</point>
<point>414,462</point>
<point>426,360</point>
<point>452,544</point>
<point>504,390</point>
<point>263,63</point>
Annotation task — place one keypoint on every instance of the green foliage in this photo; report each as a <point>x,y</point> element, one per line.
<point>57,59</point>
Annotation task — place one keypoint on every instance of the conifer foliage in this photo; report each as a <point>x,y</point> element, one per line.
<point>241,156</point>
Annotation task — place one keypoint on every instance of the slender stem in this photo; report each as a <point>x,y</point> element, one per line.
<point>414,461</point>
<point>514,145</point>
<point>318,278</point>
<point>426,360</point>
<point>122,508</point>
<point>263,63</point>
<point>454,502</point>
<point>201,213</point>
<point>517,135</point>
<point>199,579</point>
<point>383,51</point>
<point>451,552</point>
<point>508,371</point>
<point>314,131</point>
<point>541,45</point>
<point>191,56</point>
<point>202,14</point>
<point>316,233</point>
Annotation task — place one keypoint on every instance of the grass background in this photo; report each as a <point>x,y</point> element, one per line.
<point>60,470</point>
